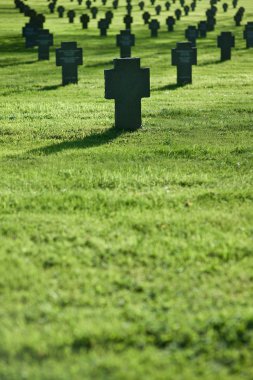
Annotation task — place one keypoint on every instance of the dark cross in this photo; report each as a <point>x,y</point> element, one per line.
<point>170,22</point>
<point>104,2</point>
<point>154,26</point>
<point>109,16</point>
<point>115,4</point>
<point>167,5</point>
<point>225,41</point>
<point>44,41</point>
<point>202,27</point>
<point>182,2</point>
<point>80,2</point>
<point>84,19</point>
<point>103,25</point>
<point>184,56</point>
<point>71,15</point>
<point>186,10</point>
<point>127,83</point>
<point>192,33</point>
<point>128,21</point>
<point>158,9</point>
<point>178,13</point>
<point>60,11</point>
<point>248,34</point>
<point>88,4</point>
<point>141,5</point>
<point>146,16</point>
<point>69,56</point>
<point>152,2</point>
<point>235,2</point>
<point>225,7</point>
<point>125,40</point>
<point>94,12</point>
<point>30,32</point>
<point>193,6</point>
<point>51,7</point>
<point>211,21</point>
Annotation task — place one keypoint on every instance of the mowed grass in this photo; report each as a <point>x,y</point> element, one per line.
<point>125,256</point>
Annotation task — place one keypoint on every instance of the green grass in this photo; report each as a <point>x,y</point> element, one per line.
<point>125,256</point>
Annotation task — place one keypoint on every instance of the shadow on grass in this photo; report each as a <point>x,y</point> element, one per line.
<point>17,63</point>
<point>100,64</point>
<point>211,62</point>
<point>49,88</point>
<point>95,139</point>
<point>171,87</point>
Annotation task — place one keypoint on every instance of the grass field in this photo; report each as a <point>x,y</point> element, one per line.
<point>125,256</point>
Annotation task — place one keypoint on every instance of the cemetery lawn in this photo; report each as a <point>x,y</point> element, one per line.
<point>125,256</point>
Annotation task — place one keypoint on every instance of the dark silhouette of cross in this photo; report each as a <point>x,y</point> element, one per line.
<point>125,40</point>
<point>127,83</point>
<point>69,56</point>
<point>184,56</point>
<point>225,42</point>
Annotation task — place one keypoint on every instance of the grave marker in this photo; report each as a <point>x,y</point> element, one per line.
<point>146,16</point>
<point>128,21</point>
<point>225,42</point>
<point>69,56</point>
<point>170,22</point>
<point>60,11</point>
<point>178,14</point>
<point>184,56</point>
<point>127,83</point>
<point>94,11</point>
<point>192,33</point>
<point>202,27</point>
<point>154,26</point>
<point>248,34</point>
<point>125,40</point>
<point>158,9</point>
<point>85,19</point>
<point>44,41</point>
<point>71,16</point>
<point>103,25</point>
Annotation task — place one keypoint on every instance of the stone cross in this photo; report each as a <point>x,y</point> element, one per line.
<point>127,83</point>
<point>30,32</point>
<point>60,11</point>
<point>170,22</point>
<point>184,56</point>
<point>158,9</point>
<point>128,21</point>
<point>186,10</point>
<point>109,16</point>
<point>154,26</point>
<point>182,2</point>
<point>141,5</point>
<point>225,7</point>
<point>248,34</point>
<point>103,25</point>
<point>178,13</point>
<point>125,40</point>
<point>225,42</point>
<point>202,27</point>
<point>80,2</point>
<point>167,5</point>
<point>44,41</point>
<point>235,2</point>
<point>38,20</point>
<point>152,2</point>
<point>146,16</point>
<point>69,56</point>
<point>115,4</point>
<point>51,7</point>
<point>94,11</point>
<point>193,6</point>
<point>238,16</point>
<point>88,4</point>
<point>104,2</point>
<point>211,21</point>
<point>192,33</point>
<point>85,19</point>
<point>71,15</point>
